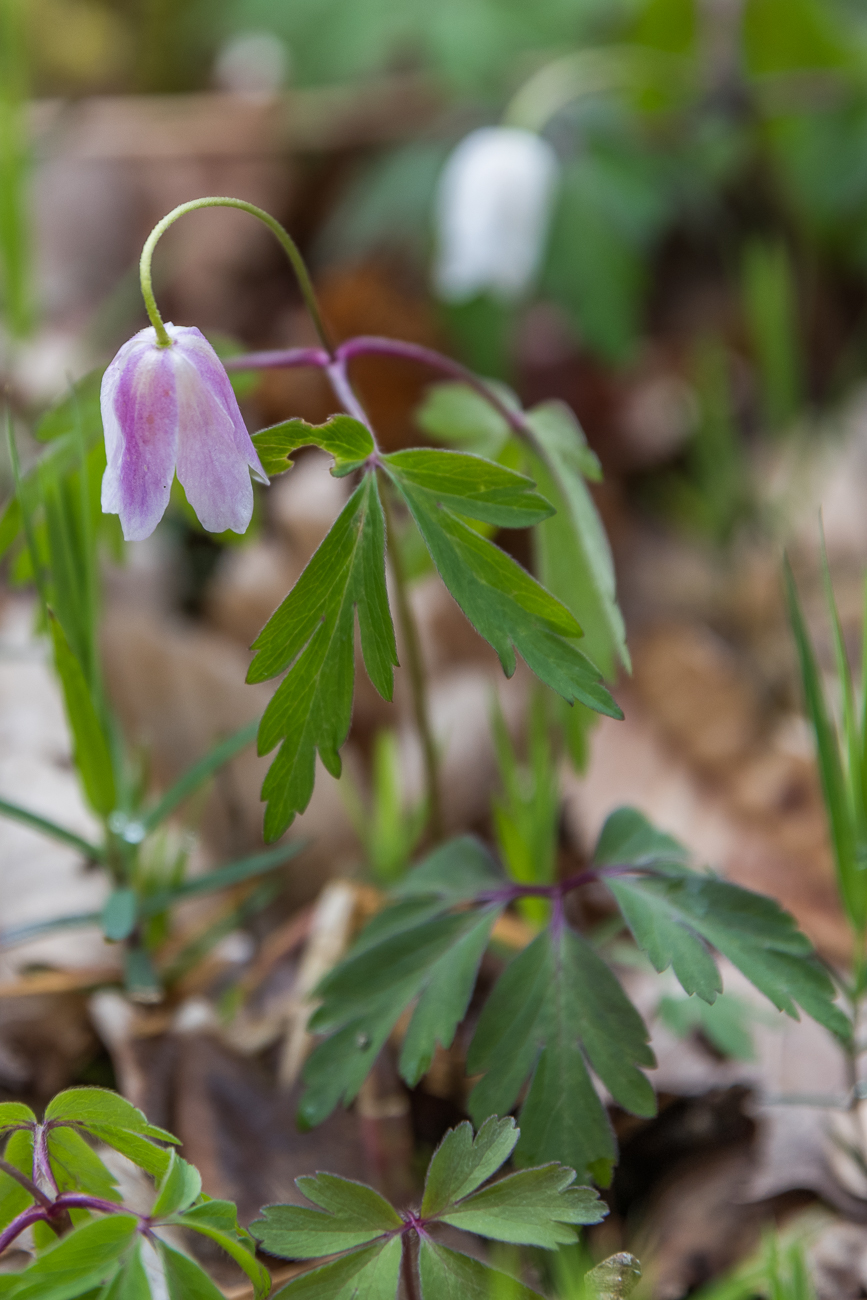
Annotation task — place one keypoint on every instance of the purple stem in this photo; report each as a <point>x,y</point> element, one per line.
<point>17,1226</point>
<point>374,345</point>
<point>339,378</point>
<point>281,360</point>
<point>80,1201</point>
<point>560,888</point>
<point>27,1183</point>
<point>41,1161</point>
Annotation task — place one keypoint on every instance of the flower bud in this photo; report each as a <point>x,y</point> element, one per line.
<point>493,206</point>
<point>167,408</point>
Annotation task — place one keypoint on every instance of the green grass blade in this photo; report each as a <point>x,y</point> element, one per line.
<point>24,933</point>
<point>50,828</point>
<point>199,947</point>
<point>843,840</point>
<point>92,753</point>
<point>235,873</point>
<point>844,673</point>
<point>15,244</point>
<point>198,774</point>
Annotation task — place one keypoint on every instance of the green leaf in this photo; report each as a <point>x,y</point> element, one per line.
<point>434,960</point>
<point>462,1163</point>
<point>630,839</point>
<point>417,948</point>
<point>92,754</point>
<point>472,487</point>
<point>234,873</point>
<point>724,1023</point>
<point>674,913</point>
<point>13,1113</point>
<point>184,1278</point>
<point>556,1010</point>
<point>86,1106</point>
<point>448,1275</point>
<point>142,1152</point>
<point>312,634</point>
<point>350,1215</point>
<point>504,603</point>
<point>456,872</point>
<point>11,523</point>
<point>79,1261</point>
<point>179,1187</point>
<point>851,878</point>
<point>575,560</point>
<point>218,1220</point>
<point>120,914</point>
<point>536,1207</point>
<point>19,1153</point>
<point>131,1281</point>
<point>462,417</point>
<point>80,406</point>
<point>51,829</point>
<point>77,1167</point>
<point>346,439</point>
<point>368,1274</point>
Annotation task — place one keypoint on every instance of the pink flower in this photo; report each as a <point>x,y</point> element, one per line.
<point>167,408</point>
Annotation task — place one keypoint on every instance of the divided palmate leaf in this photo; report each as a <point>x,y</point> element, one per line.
<point>472,487</point>
<point>503,602</point>
<point>312,634</point>
<point>347,440</point>
<point>676,915</point>
<point>461,1162</point>
<point>111,1119</point>
<point>370,1273</point>
<point>350,1214</point>
<point>556,1012</point>
<point>574,558</point>
<point>76,1264</point>
<point>218,1221</point>
<point>447,1274</point>
<point>426,946</point>
<point>536,1206</point>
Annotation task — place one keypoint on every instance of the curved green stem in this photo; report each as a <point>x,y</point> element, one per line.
<point>288,244</point>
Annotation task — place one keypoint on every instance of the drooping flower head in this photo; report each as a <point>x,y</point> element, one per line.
<point>494,202</point>
<point>168,408</point>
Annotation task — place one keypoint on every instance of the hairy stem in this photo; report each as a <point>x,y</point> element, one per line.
<point>415,667</point>
<point>374,345</point>
<point>288,244</point>
<point>18,1225</point>
<point>511,892</point>
<point>41,1159</point>
<point>27,1183</point>
<point>409,1260</point>
<point>343,390</point>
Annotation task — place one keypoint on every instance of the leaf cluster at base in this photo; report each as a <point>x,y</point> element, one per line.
<point>557,1015</point>
<point>104,1255</point>
<point>534,1207</point>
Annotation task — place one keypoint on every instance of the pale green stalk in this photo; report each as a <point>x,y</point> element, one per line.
<point>288,244</point>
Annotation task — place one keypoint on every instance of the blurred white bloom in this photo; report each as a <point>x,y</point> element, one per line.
<point>492,210</point>
<point>252,63</point>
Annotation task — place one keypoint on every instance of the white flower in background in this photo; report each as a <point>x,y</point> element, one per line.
<point>492,210</point>
<point>252,63</point>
